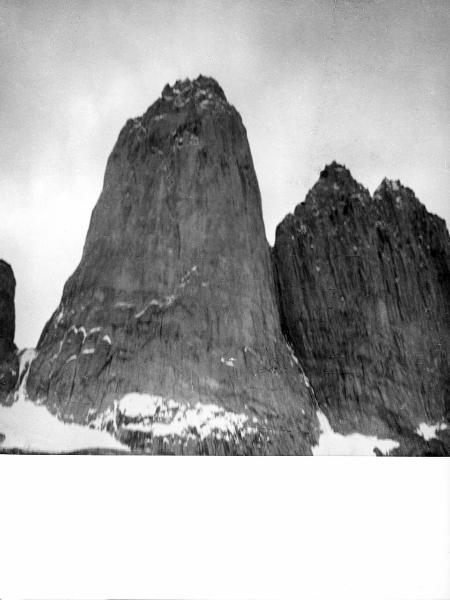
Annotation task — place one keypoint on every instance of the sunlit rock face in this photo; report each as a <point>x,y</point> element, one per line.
<point>9,364</point>
<point>174,295</point>
<point>364,293</point>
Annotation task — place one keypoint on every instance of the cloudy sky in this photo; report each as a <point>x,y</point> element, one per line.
<point>365,83</point>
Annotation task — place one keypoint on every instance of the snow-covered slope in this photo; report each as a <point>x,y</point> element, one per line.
<point>30,427</point>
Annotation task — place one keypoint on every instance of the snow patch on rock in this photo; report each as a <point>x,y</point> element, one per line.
<point>228,361</point>
<point>55,356</point>
<point>429,432</point>
<point>163,417</point>
<point>88,351</point>
<point>168,301</point>
<point>25,360</point>
<point>294,359</point>
<point>93,330</point>
<point>78,330</point>
<point>354,444</point>
<point>123,305</point>
<point>306,381</point>
<point>59,317</point>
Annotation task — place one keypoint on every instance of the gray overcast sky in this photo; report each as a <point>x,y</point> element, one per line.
<point>365,83</point>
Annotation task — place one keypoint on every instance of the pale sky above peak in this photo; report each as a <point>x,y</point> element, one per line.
<point>362,83</point>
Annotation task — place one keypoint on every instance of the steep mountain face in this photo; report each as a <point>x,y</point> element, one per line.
<point>364,294</point>
<point>168,332</point>
<point>9,365</point>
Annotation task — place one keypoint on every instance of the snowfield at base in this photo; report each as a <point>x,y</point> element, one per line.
<point>30,427</point>
<point>164,417</point>
<point>428,432</point>
<point>355,444</point>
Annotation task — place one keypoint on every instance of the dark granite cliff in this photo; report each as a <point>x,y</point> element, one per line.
<point>364,293</point>
<point>168,331</point>
<point>9,364</point>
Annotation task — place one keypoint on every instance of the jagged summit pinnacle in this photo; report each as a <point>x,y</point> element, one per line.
<point>187,87</point>
<point>202,94</point>
<point>338,177</point>
<point>335,185</point>
<point>335,171</point>
<point>175,120</point>
<point>393,193</point>
<point>391,185</point>
<point>184,101</point>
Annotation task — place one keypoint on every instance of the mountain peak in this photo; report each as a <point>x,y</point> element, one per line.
<point>180,109</point>
<point>394,193</point>
<point>390,185</point>
<point>334,185</point>
<point>336,172</point>
<point>202,88</point>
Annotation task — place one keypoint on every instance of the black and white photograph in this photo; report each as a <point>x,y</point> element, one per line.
<point>233,252</point>
<point>224,233</point>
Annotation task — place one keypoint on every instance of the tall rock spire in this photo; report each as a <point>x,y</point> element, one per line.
<point>168,331</point>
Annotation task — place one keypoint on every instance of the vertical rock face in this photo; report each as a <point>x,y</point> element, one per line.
<point>8,358</point>
<point>173,300</point>
<point>364,292</point>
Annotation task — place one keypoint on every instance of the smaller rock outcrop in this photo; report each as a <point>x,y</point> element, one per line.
<point>9,364</point>
<point>364,293</point>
